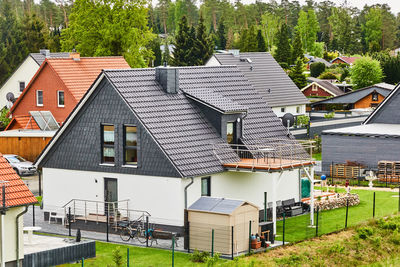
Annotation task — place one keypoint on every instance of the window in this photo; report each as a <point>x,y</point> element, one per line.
<point>283,109</point>
<point>60,98</point>
<point>298,110</point>
<point>107,143</point>
<point>231,132</point>
<point>314,87</point>
<point>21,86</point>
<point>39,98</point>
<point>374,96</point>
<point>130,145</point>
<point>206,186</point>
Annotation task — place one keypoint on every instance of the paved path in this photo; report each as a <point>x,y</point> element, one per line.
<point>60,230</point>
<point>386,189</point>
<point>33,183</point>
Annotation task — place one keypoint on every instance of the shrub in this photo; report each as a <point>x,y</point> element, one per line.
<point>395,238</point>
<point>117,257</point>
<point>302,120</point>
<point>284,65</point>
<point>316,69</point>
<point>327,76</point>
<point>198,256</point>
<point>329,115</point>
<point>211,261</point>
<point>364,232</point>
<point>337,248</point>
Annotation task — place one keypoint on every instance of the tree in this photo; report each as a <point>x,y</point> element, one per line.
<point>35,33</point>
<point>270,25</point>
<point>221,39</point>
<point>390,66</point>
<point>297,48</point>
<point>365,72</point>
<point>283,52</point>
<point>183,44</point>
<point>252,45</point>
<point>203,45</point>
<point>344,31</point>
<point>157,52</point>
<point>166,58</point>
<point>373,29</point>
<point>244,40</point>
<point>109,28</point>
<point>261,47</point>
<point>316,69</point>
<point>308,27</point>
<point>296,74</point>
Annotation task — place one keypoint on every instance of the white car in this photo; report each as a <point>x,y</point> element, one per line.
<point>20,165</point>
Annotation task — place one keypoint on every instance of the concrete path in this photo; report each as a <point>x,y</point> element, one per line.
<point>32,182</point>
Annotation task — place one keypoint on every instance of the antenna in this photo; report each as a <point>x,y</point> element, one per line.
<point>10,97</point>
<point>288,121</point>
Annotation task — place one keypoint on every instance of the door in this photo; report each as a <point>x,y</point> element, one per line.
<point>110,194</point>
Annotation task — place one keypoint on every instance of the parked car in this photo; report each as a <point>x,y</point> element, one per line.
<point>20,165</point>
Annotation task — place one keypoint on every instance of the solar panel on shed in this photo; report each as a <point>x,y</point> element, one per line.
<point>216,205</point>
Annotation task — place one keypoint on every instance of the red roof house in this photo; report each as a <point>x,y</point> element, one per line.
<point>321,88</point>
<point>58,86</point>
<point>344,60</point>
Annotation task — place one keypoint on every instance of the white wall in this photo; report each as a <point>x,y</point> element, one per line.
<point>290,109</point>
<point>162,197</point>
<point>11,235</point>
<point>24,73</point>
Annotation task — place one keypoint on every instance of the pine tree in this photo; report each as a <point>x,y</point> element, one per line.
<point>252,40</point>
<point>296,74</point>
<point>230,40</point>
<point>157,52</point>
<point>203,45</point>
<point>166,58</point>
<point>297,48</point>
<point>244,41</point>
<point>261,42</point>
<point>183,41</point>
<point>35,33</point>
<point>283,51</point>
<point>221,39</point>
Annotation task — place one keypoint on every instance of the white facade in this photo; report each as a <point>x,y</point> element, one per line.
<point>296,110</point>
<point>164,197</point>
<point>24,73</point>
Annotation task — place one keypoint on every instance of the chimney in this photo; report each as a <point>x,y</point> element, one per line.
<point>75,56</point>
<point>45,52</point>
<point>234,52</point>
<point>168,78</point>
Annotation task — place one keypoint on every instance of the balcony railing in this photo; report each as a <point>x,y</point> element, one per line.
<point>266,154</point>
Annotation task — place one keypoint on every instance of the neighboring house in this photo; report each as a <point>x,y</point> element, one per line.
<point>164,137</point>
<point>59,84</point>
<point>321,88</point>
<point>376,139</point>
<point>18,198</point>
<point>268,78</point>
<point>313,59</point>
<point>368,97</point>
<point>23,74</point>
<point>344,60</point>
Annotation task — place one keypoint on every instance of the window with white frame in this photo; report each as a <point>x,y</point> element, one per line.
<point>60,98</point>
<point>39,98</point>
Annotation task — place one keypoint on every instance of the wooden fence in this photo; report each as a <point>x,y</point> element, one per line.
<point>26,147</point>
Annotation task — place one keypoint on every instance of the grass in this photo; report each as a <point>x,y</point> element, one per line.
<point>297,229</point>
<point>317,156</point>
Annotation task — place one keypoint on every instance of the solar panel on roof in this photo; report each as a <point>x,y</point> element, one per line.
<point>45,120</point>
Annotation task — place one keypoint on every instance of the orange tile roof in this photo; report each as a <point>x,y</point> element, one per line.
<point>22,122</point>
<point>78,75</point>
<point>349,60</point>
<point>17,193</point>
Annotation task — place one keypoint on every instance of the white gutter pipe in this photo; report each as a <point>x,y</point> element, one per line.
<point>17,230</point>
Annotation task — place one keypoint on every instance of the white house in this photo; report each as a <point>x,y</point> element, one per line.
<point>158,139</point>
<point>268,78</point>
<point>16,83</point>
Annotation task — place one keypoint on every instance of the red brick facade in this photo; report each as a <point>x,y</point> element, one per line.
<point>315,90</point>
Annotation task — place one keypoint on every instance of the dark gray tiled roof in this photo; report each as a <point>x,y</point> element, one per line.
<point>331,87</point>
<point>215,100</point>
<point>40,58</point>
<point>216,205</point>
<point>178,125</point>
<point>321,60</point>
<point>266,74</point>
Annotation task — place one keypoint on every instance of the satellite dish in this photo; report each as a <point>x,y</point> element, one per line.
<point>10,97</point>
<point>288,120</point>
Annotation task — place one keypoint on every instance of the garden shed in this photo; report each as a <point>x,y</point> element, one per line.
<point>228,218</point>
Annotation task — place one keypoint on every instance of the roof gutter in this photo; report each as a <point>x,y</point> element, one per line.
<point>186,187</point>
<point>17,229</point>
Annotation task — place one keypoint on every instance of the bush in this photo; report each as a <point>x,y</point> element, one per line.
<point>211,261</point>
<point>4,119</point>
<point>302,120</point>
<point>117,257</point>
<point>198,256</point>
<point>329,115</point>
<point>284,65</point>
<point>316,69</point>
<point>364,232</point>
<point>327,76</point>
<point>337,248</point>
<point>395,239</point>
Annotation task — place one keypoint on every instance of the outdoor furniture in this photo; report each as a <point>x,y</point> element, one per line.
<point>292,208</point>
<point>30,230</point>
<point>159,234</point>
<point>279,208</point>
<point>57,213</point>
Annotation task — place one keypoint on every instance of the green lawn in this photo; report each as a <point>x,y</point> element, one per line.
<point>297,229</point>
<point>317,156</point>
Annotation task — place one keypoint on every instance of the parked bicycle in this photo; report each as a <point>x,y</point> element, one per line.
<point>129,230</point>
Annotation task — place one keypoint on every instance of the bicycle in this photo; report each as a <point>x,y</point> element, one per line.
<point>129,231</point>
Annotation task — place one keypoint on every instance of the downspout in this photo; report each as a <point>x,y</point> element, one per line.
<point>186,187</point>
<point>17,224</point>
<point>3,264</point>
<point>243,123</point>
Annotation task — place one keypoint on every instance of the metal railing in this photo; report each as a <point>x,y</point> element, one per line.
<point>265,153</point>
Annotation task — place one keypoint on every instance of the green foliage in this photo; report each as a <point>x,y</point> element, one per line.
<point>261,46</point>
<point>203,45</point>
<point>297,48</point>
<point>302,120</point>
<point>183,44</point>
<point>316,69</point>
<point>198,256</point>
<point>317,49</point>
<point>308,27</point>
<point>155,47</point>
<point>365,72</point>
<point>117,257</point>
<point>270,26</point>
<point>292,260</point>
<point>373,28</point>
<point>221,35</point>
<point>390,67</point>
<point>328,76</point>
<point>365,232</point>
<point>211,261</point>
<point>166,58</point>
<point>109,28</point>
<point>330,115</point>
<point>35,33</point>
<point>296,74</point>
<point>4,119</point>
<point>283,50</point>
<point>337,249</point>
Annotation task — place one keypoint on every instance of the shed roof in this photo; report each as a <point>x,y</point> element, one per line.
<point>217,205</point>
<point>17,193</point>
<point>266,76</point>
<point>373,129</point>
<point>22,122</point>
<point>327,86</point>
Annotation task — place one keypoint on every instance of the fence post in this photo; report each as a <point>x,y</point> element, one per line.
<point>265,206</point>
<point>147,231</point>
<point>283,228</point>
<point>399,198</point>
<point>127,257</point>
<point>69,221</point>
<point>33,212</point>
<point>83,261</point>
<point>212,243</point>
<point>347,212</point>
<point>173,249</point>
<point>373,207</point>
<point>107,222</point>
<point>316,228</point>
<point>249,237</point>
<point>232,244</point>
<point>188,237</point>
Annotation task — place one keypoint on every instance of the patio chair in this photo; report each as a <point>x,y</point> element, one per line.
<point>56,213</point>
<point>291,207</point>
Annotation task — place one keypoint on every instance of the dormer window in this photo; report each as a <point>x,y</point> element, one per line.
<point>375,96</point>
<point>231,132</point>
